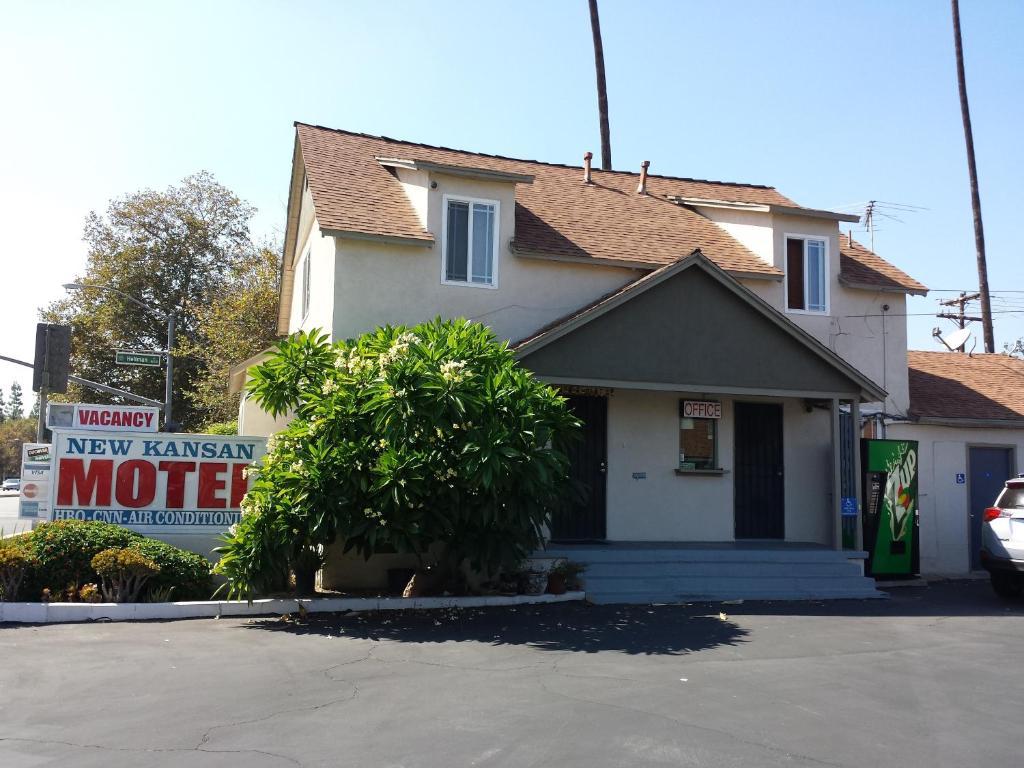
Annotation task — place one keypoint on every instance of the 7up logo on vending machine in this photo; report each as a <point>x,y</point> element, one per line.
<point>890,467</point>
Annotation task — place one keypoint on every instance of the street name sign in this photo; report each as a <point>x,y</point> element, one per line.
<point>148,359</point>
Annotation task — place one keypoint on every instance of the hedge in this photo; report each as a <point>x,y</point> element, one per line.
<point>64,550</point>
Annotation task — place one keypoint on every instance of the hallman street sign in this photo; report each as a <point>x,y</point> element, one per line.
<point>150,359</point>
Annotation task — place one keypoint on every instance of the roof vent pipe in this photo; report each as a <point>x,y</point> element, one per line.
<point>587,157</point>
<point>642,186</point>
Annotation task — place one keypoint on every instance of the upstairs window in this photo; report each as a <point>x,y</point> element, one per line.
<point>806,274</point>
<point>470,242</point>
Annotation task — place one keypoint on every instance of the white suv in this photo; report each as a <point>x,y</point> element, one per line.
<point>12,484</point>
<point>1002,540</point>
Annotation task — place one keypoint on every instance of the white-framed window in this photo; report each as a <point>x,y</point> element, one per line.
<point>305,283</point>
<point>470,242</point>
<point>806,274</point>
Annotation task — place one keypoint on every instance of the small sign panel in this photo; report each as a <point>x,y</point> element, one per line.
<point>701,409</point>
<point>33,499</point>
<point>103,418</point>
<point>961,478</point>
<point>148,359</point>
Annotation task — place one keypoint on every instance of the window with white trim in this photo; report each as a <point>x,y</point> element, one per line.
<point>470,241</point>
<point>305,284</point>
<point>806,274</point>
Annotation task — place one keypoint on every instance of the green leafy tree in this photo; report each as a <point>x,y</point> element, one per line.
<point>185,250</point>
<point>3,407</point>
<point>16,409</point>
<point>14,432</point>
<point>403,440</point>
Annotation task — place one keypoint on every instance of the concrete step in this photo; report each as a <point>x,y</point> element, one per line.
<point>698,569</point>
<point>647,598</point>
<point>637,573</point>
<point>710,555</point>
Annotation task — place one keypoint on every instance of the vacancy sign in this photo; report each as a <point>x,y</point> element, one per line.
<point>152,483</point>
<point>103,418</point>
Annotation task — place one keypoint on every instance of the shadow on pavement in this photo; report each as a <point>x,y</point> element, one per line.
<point>632,629</point>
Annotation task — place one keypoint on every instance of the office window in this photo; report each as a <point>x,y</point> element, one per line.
<point>698,436</point>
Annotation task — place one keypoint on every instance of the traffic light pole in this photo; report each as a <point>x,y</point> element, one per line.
<point>43,388</point>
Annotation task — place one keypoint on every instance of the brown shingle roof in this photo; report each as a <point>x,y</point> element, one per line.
<point>861,267</point>
<point>555,215</point>
<point>950,385</point>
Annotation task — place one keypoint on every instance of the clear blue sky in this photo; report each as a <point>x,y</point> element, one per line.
<point>832,102</point>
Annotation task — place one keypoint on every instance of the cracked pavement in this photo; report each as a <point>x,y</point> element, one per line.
<point>925,679</point>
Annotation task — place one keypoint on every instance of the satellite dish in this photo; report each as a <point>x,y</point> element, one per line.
<point>955,340</point>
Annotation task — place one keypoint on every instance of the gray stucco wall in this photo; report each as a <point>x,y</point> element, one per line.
<point>688,330</point>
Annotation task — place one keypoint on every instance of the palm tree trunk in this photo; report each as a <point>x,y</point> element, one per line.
<point>602,88</point>
<point>979,230</point>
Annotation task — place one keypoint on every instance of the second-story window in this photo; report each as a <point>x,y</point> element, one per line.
<point>806,274</point>
<point>470,241</point>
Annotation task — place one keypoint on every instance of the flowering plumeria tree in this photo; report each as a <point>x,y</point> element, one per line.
<point>402,440</point>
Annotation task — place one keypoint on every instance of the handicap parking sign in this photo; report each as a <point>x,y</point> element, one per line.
<point>961,478</point>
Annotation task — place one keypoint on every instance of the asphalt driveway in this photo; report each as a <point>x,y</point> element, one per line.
<point>929,678</point>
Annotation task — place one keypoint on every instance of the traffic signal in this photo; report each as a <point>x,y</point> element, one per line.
<point>53,357</point>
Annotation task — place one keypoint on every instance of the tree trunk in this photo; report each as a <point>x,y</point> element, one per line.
<point>602,88</point>
<point>305,580</point>
<point>979,231</point>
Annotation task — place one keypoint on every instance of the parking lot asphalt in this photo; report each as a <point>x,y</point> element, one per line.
<point>928,678</point>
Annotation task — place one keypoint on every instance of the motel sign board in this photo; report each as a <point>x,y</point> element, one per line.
<point>152,482</point>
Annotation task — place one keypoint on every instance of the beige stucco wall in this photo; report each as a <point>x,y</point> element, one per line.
<point>253,420</point>
<point>751,228</point>
<point>643,436</point>
<point>944,505</point>
<point>378,283</point>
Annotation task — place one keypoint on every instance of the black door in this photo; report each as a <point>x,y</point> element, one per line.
<point>760,495</point>
<point>583,519</point>
<point>988,469</point>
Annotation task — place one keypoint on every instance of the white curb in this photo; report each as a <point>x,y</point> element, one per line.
<point>55,613</point>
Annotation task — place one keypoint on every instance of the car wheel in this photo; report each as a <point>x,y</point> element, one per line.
<point>1005,585</point>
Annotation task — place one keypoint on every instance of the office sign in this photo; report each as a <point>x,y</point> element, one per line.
<point>153,483</point>
<point>34,495</point>
<point>702,409</point>
<point>103,418</point>
<point>147,359</point>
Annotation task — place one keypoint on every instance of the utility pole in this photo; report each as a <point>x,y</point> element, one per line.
<point>972,169</point>
<point>961,318</point>
<point>602,88</point>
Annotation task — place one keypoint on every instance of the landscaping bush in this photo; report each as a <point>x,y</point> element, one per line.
<point>64,551</point>
<point>402,440</point>
<point>123,573</point>
<point>15,563</point>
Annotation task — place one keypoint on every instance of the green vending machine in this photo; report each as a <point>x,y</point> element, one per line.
<point>890,506</point>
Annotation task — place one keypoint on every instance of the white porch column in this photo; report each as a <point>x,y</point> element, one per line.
<point>837,483</point>
<point>855,418</point>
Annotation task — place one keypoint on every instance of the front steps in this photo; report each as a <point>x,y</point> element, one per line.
<point>674,573</point>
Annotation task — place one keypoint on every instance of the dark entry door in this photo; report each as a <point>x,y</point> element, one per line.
<point>988,470</point>
<point>758,472</point>
<point>583,519</point>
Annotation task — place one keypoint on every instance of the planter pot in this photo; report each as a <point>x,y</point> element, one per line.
<point>536,583</point>
<point>556,584</point>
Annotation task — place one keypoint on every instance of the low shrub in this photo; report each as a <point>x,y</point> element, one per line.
<point>64,551</point>
<point>90,593</point>
<point>15,563</point>
<point>123,572</point>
